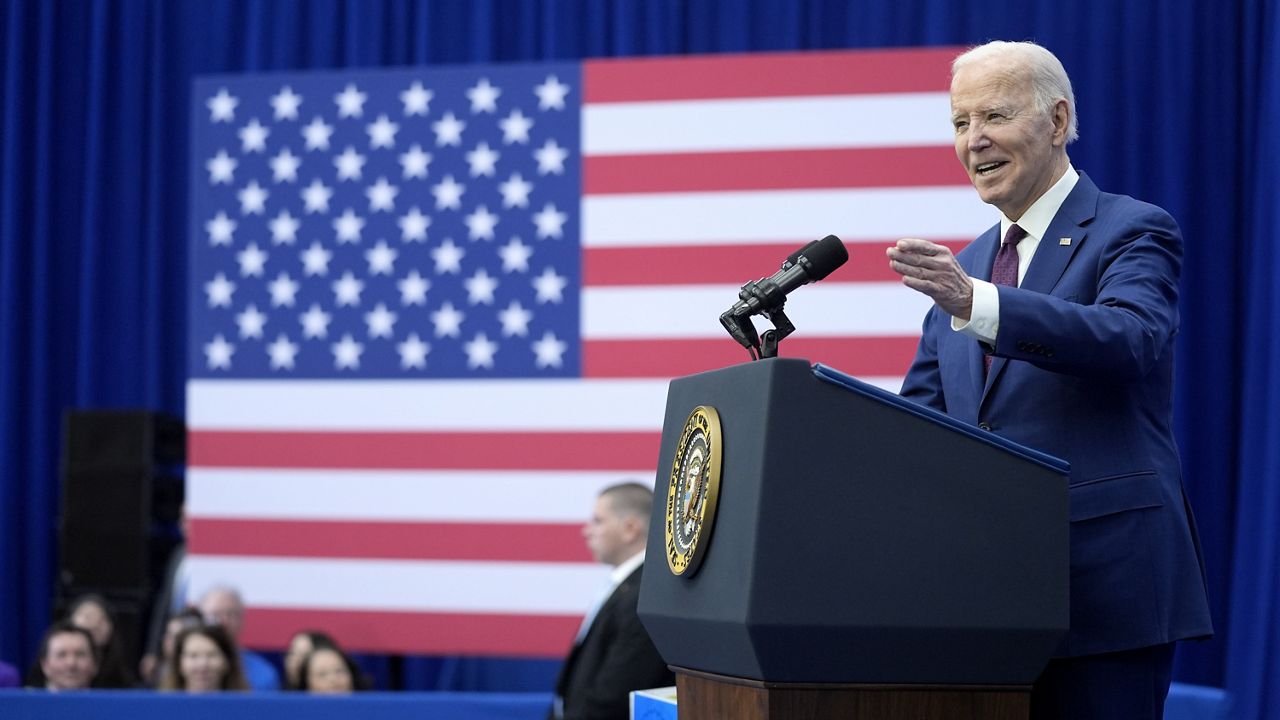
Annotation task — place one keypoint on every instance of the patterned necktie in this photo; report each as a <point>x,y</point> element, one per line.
<point>1005,269</point>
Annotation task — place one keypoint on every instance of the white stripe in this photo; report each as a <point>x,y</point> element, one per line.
<point>402,585</point>
<point>839,121</point>
<point>457,405</point>
<point>773,215</point>
<point>693,311</point>
<point>399,496</point>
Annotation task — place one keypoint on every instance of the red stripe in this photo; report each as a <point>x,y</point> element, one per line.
<point>726,264</point>
<point>768,74</point>
<point>861,356</point>
<point>418,633</point>
<point>534,542</point>
<point>772,170</point>
<point>424,450</point>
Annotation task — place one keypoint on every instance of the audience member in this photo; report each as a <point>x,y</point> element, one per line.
<point>92,613</point>
<point>67,657</point>
<point>205,659</point>
<point>9,677</point>
<point>328,671</point>
<point>153,668</point>
<point>613,654</point>
<point>300,646</point>
<point>223,606</point>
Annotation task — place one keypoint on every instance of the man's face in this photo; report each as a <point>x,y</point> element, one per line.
<point>69,664</point>
<point>608,534</point>
<point>1010,149</point>
<point>223,608</point>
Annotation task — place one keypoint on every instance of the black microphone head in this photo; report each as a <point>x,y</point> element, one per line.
<point>823,256</point>
<point>794,257</point>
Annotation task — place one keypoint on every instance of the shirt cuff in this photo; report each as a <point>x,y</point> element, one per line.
<point>984,317</point>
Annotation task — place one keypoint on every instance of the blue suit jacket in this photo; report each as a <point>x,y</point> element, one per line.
<point>1083,369</point>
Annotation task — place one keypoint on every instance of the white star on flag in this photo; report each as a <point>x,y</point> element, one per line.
<point>253,137</point>
<point>284,228</point>
<point>381,321</point>
<point>284,166</point>
<point>286,104</point>
<point>448,130</point>
<point>413,352</point>
<point>413,289</point>
<point>222,107</point>
<point>219,290</point>
<point>284,290</point>
<point>282,353</point>
<point>551,94</point>
<point>480,351</point>
<point>251,322</point>
<point>483,97</point>
<point>416,99</point>
<point>550,286</point>
<point>317,134</point>
<point>482,160</point>
<point>348,227</point>
<point>350,164</point>
<point>347,289</point>
<point>515,320</point>
<point>447,321</point>
<point>549,350</point>
<point>381,259</point>
<point>448,258</point>
<point>515,256</point>
<point>252,261</point>
<point>220,229</point>
<point>515,128</point>
<point>350,102</point>
<point>222,168</point>
<point>515,191</point>
<point>382,196</point>
<point>413,225</point>
<point>480,288</point>
<point>382,133</point>
<point>550,158</point>
<point>315,260</point>
<point>415,162</point>
<point>448,193</point>
<point>480,224</point>
<point>346,353</point>
<point>316,197</point>
<point>219,353</point>
<point>315,322</point>
<point>253,199</point>
<point>550,222</point>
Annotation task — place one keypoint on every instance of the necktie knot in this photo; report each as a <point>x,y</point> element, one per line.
<point>1014,235</point>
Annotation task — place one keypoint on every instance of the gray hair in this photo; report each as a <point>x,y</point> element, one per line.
<point>1049,81</point>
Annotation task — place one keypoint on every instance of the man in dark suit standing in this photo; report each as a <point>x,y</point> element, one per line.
<point>1055,329</point>
<point>612,654</point>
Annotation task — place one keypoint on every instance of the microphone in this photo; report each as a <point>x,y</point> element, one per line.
<point>810,263</point>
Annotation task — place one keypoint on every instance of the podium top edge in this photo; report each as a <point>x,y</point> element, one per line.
<point>831,375</point>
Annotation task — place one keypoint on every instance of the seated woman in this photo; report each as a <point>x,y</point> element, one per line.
<point>92,613</point>
<point>205,659</point>
<point>152,669</point>
<point>300,646</point>
<point>328,671</point>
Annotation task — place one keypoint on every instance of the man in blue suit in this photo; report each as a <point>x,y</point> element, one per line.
<point>1055,329</point>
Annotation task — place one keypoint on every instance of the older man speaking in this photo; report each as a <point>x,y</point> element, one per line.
<point>1055,329</point>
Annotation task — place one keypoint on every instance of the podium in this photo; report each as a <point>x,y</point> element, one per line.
<point>867,558</point>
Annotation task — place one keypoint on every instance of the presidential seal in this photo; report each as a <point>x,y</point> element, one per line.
<point>693,489</point>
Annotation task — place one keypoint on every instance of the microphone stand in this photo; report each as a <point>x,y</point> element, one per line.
<point>769,301</point>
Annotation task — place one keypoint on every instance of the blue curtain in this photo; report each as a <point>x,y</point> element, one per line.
<point>1174,100</point>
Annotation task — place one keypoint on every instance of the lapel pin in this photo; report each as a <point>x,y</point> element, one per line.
<point>1064,241</point>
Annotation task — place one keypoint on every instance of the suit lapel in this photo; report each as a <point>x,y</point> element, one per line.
<point>988,243</point>
<point>1065,234</point>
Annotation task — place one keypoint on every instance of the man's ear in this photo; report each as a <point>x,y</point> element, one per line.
<point>1060,116</point>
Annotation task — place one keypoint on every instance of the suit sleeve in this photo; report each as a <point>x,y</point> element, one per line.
<point>1130,322</point>
<point>632,663</point>
<point>923,382</point>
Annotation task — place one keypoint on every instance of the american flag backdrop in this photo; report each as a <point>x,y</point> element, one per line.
<point>434,311</point>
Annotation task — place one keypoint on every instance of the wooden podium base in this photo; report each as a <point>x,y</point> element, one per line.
<point>706,696</point>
